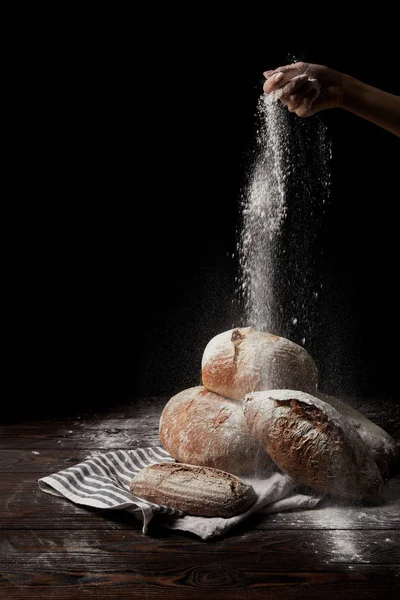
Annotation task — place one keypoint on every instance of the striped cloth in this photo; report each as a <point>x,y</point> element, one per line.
<point>102,481</point>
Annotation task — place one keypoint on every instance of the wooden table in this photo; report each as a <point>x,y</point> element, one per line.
<point>52,548</point>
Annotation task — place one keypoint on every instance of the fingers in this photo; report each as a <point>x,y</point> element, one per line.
<point>289,74</point>
<point>274,82</point>
<point>298,85</point>
<point>299,94</point>
<point>297,90</point>
<point>290,71</point>
<point>283,69</point>
<point>277,77</point>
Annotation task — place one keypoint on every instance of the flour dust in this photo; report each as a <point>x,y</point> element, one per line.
<point>282,209</point>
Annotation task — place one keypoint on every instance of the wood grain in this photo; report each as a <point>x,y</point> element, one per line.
<point>189,579</point>
<point>280,548</point>
<point>52,548</point>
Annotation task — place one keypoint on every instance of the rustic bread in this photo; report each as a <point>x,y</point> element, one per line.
<point>312,442</point>
<point>382,446</point>
<point>244,360</point>
<point>195,490</point>
<point>202,428</point>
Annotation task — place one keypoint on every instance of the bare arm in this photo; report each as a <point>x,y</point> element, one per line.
<point>371,103</point>
<point>306,88</point>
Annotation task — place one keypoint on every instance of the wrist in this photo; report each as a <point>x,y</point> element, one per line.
<point>351,89</point>
<point>335,87</point>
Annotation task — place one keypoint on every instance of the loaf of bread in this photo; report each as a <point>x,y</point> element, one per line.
<point>382,446</point>
<point>202,428</point>
<point>243,360</point>
<point>311,441</point>
<point>201,491</point>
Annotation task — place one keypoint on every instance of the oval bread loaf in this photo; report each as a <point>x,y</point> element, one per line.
<point>312,442</point>
<point>244,360</point>
<point>201,491</point>
<point>202,428</point>
<point>382,446</point>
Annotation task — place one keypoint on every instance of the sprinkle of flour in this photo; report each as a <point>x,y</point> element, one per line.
<point>282,207</point>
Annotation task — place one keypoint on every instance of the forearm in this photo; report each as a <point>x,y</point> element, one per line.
<point>371,103</point>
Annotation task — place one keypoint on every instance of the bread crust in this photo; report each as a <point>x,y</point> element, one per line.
<point>312,442</point>
<point>196,490</point>
<point>242,360</point>
<point>202,428</point>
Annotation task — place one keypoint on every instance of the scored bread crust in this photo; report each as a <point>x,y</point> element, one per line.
<point>312,442</point>
<point>195,490</point>
<point>242,360</point>
<point>202,428</point>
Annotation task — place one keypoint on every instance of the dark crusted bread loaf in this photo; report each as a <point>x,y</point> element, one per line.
<point>312,442</point>
<point>201,491</point>
<point>202,428</point>
<point>244,360</point>
<point>382,446</point>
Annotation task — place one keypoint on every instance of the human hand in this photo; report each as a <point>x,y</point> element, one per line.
<point>305,88</point>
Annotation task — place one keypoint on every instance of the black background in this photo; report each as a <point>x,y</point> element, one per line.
<point>133,154</point>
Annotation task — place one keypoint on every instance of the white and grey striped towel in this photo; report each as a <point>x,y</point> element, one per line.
<point>102,481</point>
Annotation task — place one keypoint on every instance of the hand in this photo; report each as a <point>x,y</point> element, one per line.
<point>305,88</point>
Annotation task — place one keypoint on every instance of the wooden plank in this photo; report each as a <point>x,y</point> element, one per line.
<point>45,461</point>
<point>137,413</point>
<point>34,428</point>
<point>283,549</point>
<point>102,433</point>
<point>196,579</point>
<point>128,408</point>
<point>41,462</point>
<point>40,437</point>
<point>52,548</point>
<point>23,504</point>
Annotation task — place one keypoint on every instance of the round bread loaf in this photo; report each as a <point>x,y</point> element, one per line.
<point>244,360</point>
<point>312,442</point>
<point>201,491</point>
<point>382,446</point>
<point>202,428</point>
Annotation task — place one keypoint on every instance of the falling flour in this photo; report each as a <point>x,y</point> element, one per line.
<point>282,207</point>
